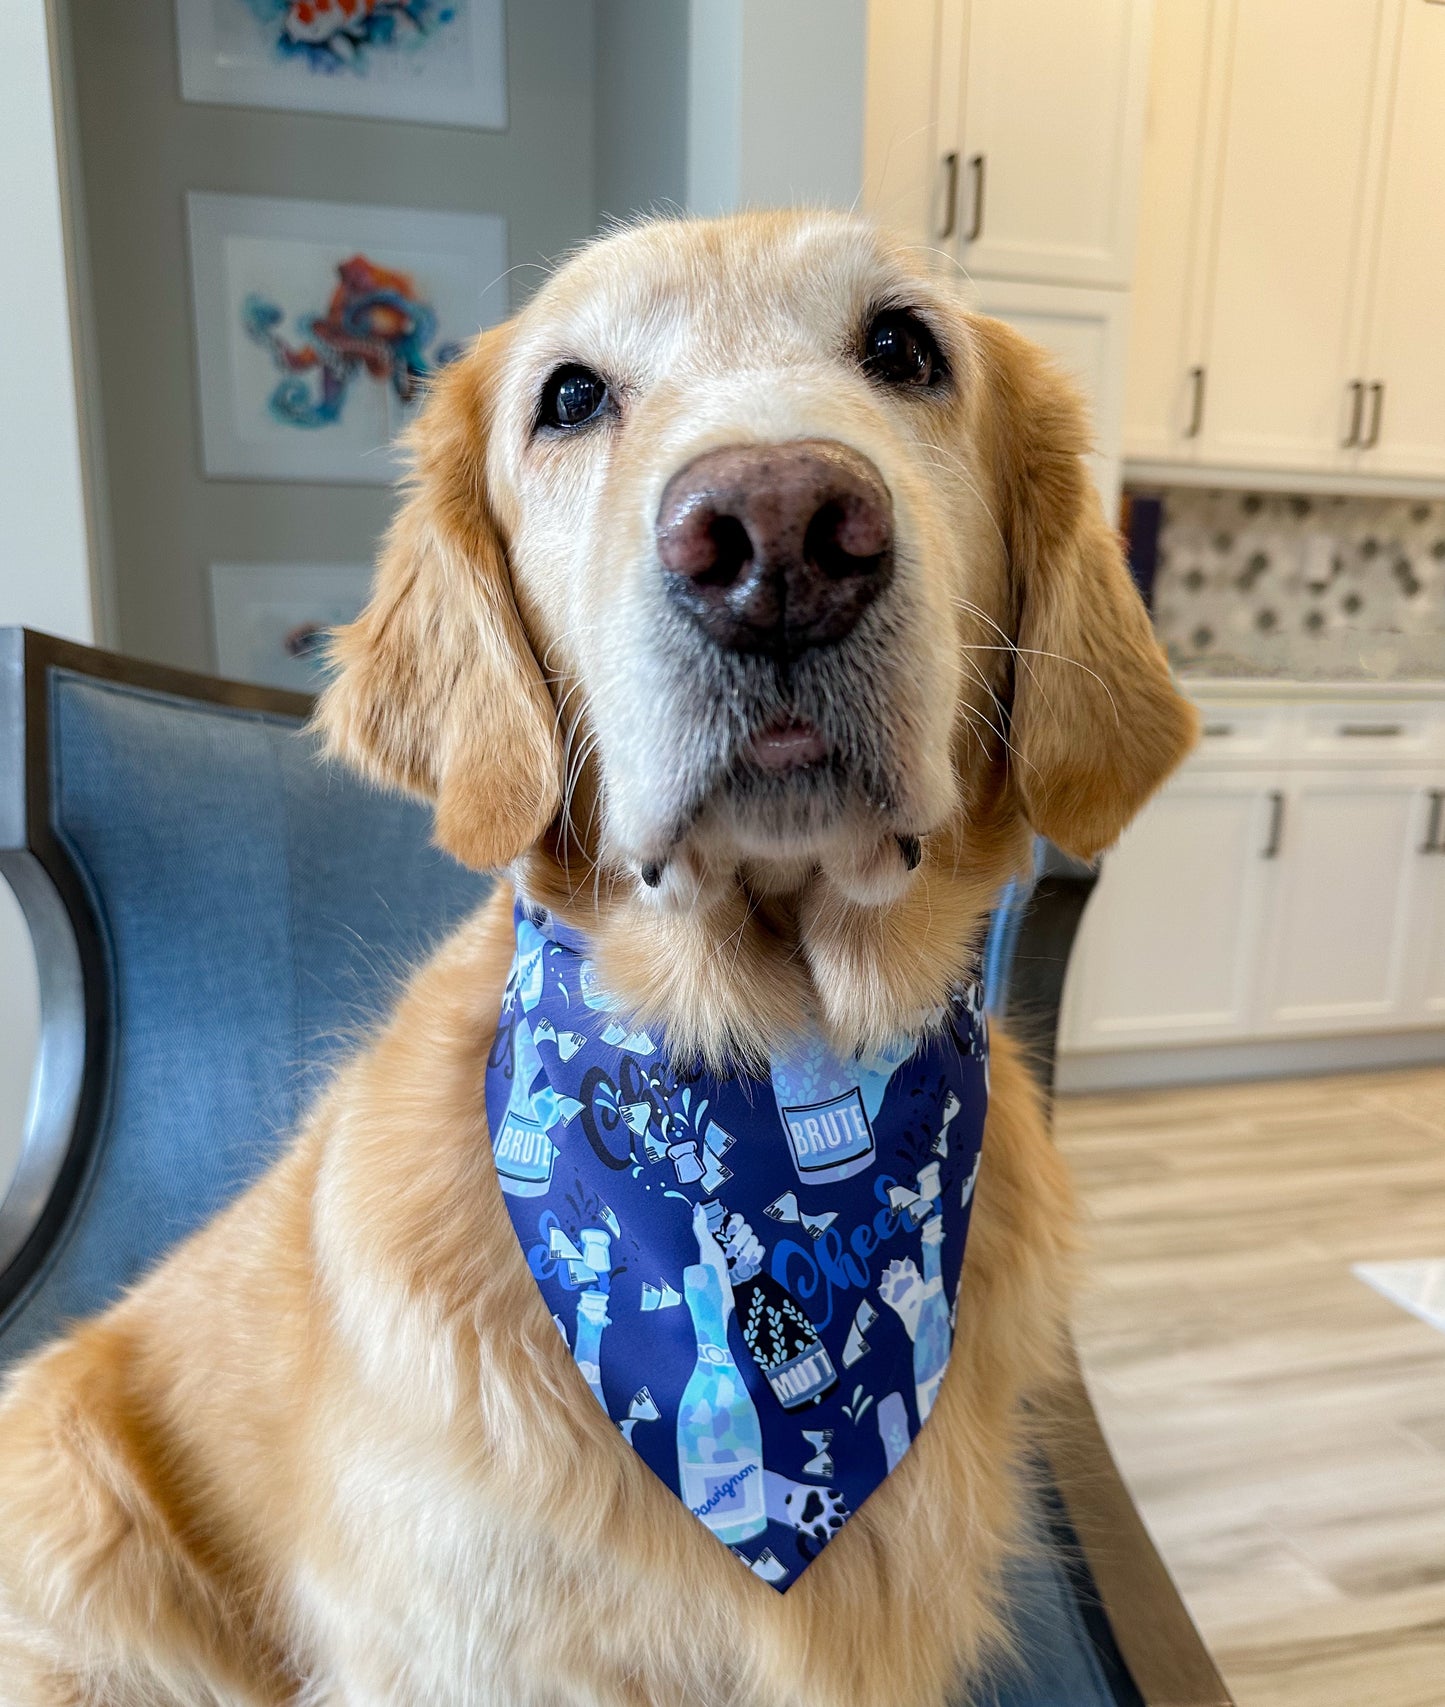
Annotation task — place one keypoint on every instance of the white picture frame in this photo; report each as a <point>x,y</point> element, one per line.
<point>425,61</point>
<point>269,620</point>
<point>281,288</point>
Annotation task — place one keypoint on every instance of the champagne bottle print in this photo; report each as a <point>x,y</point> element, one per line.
<point>782,1340</point>
<point>719,1438</point>
<point>592,1315</point>
<point>524,1152</point>
<point>592,1318</point>
<point>933,1341</point>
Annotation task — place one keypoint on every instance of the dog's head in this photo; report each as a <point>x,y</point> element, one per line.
<point>744,556</point>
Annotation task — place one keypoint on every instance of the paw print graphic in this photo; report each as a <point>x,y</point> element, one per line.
<point>816,1513</point>
<point>901,1289</point>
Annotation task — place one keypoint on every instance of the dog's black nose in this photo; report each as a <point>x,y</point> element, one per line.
<point>777,548</point>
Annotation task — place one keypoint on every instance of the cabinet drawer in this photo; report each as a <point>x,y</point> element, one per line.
<point>1375,735</point>
<point>1229,734</point>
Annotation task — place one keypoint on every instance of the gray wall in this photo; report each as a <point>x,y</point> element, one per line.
<point>641,106</point>
<point>142,148</point>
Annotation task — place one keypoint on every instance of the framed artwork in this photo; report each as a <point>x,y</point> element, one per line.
<point>271,619</point>
<point>319,323</point>
<point>430,61</point>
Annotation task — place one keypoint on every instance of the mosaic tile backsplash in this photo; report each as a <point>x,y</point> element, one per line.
<point>1250,583</point>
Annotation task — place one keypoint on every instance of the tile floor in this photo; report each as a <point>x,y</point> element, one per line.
<point>1280,1420</point>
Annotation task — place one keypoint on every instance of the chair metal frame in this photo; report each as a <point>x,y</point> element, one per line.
<point>1142,1612</point>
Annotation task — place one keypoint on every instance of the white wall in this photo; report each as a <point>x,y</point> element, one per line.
<point>776,102</point>
<point>44,556</point>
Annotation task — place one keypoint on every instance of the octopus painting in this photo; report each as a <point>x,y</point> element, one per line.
<point>376,323</point>
<point>340,35</point>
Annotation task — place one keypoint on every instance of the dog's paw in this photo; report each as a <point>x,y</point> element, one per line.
<point>901,1289</point>
<point>683,884</point>
<point>875,875</point>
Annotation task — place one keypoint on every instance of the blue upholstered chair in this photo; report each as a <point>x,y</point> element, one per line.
<point>217,915</point>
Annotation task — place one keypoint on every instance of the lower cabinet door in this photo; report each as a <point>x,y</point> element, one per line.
<point>1169,947</point>
<point>1428,935</point>
<point>1340,954</point>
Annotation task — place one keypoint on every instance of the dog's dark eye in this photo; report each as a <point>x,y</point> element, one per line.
<point>573,395</point>
<point>898,349</point>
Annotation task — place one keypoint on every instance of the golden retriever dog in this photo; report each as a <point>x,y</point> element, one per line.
<point>333,1450</point>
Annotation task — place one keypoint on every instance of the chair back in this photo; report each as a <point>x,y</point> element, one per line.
<point>233,913</point>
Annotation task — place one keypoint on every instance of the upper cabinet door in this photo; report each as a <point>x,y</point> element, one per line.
<point>1165,389</point>
<point>1289,216</point>
<point>1047,141</point>
<point>1404,366</point>
<point>904,183</point>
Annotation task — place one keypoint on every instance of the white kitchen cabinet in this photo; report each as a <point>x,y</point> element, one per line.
<point>1289,218</point>
<point>1340,950</point>
<point>1006,136</point>
<point>1164,381</point>
<point>1287,888</point>
<point>1167,952</point>
<point>1266,225</point>
<point>902,183</point>
<point>1042,106</point>
<point>1428,983</point>
<point>1008,133</point>
<point>1403,365</point>
<point>1086,331</point>
<point>1291,249</point>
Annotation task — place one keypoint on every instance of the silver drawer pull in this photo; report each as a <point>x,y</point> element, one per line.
<point>1196,403</point>
<point>1372,730</point>
<point>1437,813</point>
<point>950,197</point>
<point>1217,731</point>
<point>1276,825</point>
<point>978,167</point>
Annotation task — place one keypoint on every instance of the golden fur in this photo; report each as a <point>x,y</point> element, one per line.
<point>333,1449</point>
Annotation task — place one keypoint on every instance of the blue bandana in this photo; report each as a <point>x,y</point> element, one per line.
<point>757,1276</point>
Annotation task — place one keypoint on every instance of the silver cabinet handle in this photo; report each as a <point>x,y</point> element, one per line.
<point>950,196</point>
<point>1377,731</point>
<point>1437,819</point>
<point>1377,409</point>
<point>1217,731</point>
<point>1196,403</point>
<point>978,167</point>
<point>1276,825</point>
<point>1356,389</point>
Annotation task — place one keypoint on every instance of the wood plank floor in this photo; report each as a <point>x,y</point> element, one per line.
<point>1281,1424</point>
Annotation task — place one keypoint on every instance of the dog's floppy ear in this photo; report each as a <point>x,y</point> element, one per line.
<point>1096,723</point>
<point>438,692</point>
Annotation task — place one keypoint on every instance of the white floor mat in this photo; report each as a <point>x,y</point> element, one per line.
<point>1418,1287</point>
